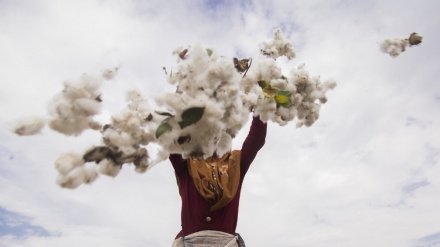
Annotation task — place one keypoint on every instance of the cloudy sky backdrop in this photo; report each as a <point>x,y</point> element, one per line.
<point>366,174</point>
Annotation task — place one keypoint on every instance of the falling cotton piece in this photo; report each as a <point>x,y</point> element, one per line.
<point>29,126</point>
<point>394,47</point>
<point>214,97</point>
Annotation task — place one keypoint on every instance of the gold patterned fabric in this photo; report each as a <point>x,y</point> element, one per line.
<point>216,178</point>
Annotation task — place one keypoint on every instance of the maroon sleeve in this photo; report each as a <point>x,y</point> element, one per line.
<point>178,162</point>
<point>253,143</point>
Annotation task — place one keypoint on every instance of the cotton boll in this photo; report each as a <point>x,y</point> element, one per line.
<point>90,173</point>
<point>250,99</point>
<point>226,94</point>
<point>109,74</point>
<point>309,120</point>
<point>221,70</point>
<point>69,126</point>
<point>204,136</point>
<point>117,138</point>
<point>119,118</point>
<point>73,179</point>
<point>67,162</point>
<point>133,123</point>
<point>308,113</point>
<point>214,110</point>
<point>73,92</point>
<point>142,165</point>
<point>278,47</point>
<point>199,58</point>
<point>86,107</point>
<point>394,47</point>
<point>78,176</point>
<point>315,94</point>
<point>90,83</point>
<point>29,126</point>
<point>94,125</point>
<point>224,145</point>
<point>141,160</point>
<point>265,69</point>
<point>134,96</point>
<point>168,141</point>
<point>205,80</point>
<point>286,114</point>
<point>172,101</point>
<point>161,155</point>
<point>63,109</point>
<point>108,168</point>
<point>279,120</point>
<point>72,109</point>
<point>265,109</point>
<point>297,99</point>
<point>69,182</point>
<point>196,65</point>
<point>279,83</point>
<point>330,84</point>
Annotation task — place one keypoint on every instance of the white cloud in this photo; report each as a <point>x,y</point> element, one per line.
<point>366,174</point>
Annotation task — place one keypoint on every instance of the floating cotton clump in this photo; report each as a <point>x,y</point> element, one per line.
<point>394,47</point>
<point>209,82</point>
<point>73,109</point>
<point>73,172</point>
<point>29,126</point>
<point>278,47</point>
<point>213,99</point>
<point>80,175</point>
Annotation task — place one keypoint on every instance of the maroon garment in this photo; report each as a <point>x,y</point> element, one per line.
<point>195,209</point>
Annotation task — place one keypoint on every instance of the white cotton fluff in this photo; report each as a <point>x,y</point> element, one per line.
<point>108,168</point>
<point>224,145</point>
<point>278,47</point>
<point>67,162</point>
<point>118,138</point>
<point>84,174</point>
<point>72,110</point>
<point>72,180</point>
<point>205,80</point>
<point>109,74</point>
<point>265,109</point>
<point>86,107</point>
<point>161,155</point>
<point>394,47</point>
<point>143,165</point>
<point>29,126</point>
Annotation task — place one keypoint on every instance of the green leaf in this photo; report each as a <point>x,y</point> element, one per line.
<point>191,116</point>
<point>283,98</point>
<point>164,113</point>
<point>171,73</point>
<point>163,127</point>
<point>209,51</point>
<point>269,92</point>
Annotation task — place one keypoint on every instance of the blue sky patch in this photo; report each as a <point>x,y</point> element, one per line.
<point>432,240</point>
<point>19,226</point>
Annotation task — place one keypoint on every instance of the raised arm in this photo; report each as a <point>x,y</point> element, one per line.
<point>177,162</point>
<point>253,143</point>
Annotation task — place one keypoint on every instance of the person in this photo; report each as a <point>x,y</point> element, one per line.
<point>210,192</point>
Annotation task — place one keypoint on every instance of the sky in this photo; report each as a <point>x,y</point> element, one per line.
<point>367,173</point>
